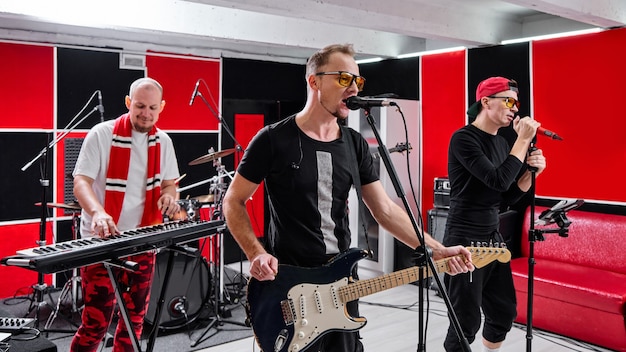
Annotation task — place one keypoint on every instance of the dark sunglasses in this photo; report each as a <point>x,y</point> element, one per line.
<point>508,101</point>
<point>346,78</point>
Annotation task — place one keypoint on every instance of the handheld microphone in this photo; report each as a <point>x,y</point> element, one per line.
<point>195,92</point>
<point>548,133</point>
<point>100,106</point>
<point>356,103</point>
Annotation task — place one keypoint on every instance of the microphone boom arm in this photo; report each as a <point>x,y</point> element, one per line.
<point>67,129</point>
<point>221,120</point>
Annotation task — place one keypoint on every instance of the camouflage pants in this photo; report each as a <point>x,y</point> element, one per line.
<point>99,299</point>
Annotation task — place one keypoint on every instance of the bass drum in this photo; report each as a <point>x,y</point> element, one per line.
<point>188,290</point>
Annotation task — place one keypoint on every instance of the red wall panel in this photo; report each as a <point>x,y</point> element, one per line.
<point>178,77</point>
<point>27,89</point>
<point>16,280</point>
<point>578,93</point>
<point>443,112</point>
<point>246,127</point>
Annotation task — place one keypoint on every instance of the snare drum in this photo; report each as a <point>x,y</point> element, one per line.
<point>189,210</point>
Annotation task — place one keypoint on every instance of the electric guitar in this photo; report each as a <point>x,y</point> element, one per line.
<point>300,305</point>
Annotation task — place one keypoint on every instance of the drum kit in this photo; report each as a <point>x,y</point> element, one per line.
<point>202,207</point>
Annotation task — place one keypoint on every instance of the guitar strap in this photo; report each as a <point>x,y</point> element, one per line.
<point>356,179</point>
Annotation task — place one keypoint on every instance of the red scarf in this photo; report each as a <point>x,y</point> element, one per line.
<point>117,173</point>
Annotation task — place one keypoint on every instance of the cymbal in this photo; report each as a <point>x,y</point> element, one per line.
<point>212,156</point>
<point>69,206</point>
<point>208,198</point>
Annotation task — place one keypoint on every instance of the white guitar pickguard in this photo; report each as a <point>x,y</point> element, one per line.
<point>318,309</point>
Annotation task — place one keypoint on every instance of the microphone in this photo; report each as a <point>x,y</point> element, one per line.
<point>356,103</point>
<point>548,133</point>
<point>195,92</point>
<point>100,106</point>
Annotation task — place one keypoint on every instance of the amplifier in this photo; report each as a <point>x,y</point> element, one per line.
<point>437,219</point>
<point>442,193</point>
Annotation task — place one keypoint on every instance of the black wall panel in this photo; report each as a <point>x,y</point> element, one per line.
<point>510,61</point>
<point>80,74</point>
<point>262,80</point>
<point>20,190</point>
<point>399,77</point>
<point>190,146</point>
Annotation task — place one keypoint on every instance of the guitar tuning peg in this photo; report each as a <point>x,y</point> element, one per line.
<point>490,243</point>
<point>472,244</point>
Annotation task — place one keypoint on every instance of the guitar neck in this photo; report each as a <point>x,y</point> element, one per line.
<point>362,288</point>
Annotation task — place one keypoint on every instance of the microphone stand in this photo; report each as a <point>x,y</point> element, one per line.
<point>41,288</point>
<point>221,121</point>
<point>426,255</point>
<point>219,300</point>
<point>533,236</point>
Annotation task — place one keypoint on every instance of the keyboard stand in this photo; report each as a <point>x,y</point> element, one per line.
<point>129,265</point>
<point>126,265</point>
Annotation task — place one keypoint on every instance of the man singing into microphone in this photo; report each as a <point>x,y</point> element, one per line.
<point>306,162</point>
<point>486,173</point>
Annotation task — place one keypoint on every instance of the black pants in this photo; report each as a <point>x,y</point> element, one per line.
<point>491,288</point>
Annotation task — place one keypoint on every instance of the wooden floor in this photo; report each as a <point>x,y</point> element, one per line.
<point>393,324</point>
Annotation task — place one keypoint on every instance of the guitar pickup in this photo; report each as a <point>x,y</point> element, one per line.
<point>318,302</point>
<point>333,293</point>
<point>288,310</point>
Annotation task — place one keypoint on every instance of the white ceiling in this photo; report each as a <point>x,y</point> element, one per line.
<point>290,30</point>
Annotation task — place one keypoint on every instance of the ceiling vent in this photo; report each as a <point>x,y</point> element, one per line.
<point>132,61</point>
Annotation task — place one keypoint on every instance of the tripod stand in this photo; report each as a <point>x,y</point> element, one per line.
<point>216,255</point>
<point>41,288</point>
<point>72,285</point>
<point>556,214</point>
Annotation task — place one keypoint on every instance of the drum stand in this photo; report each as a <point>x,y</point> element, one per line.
<point>216,254</point>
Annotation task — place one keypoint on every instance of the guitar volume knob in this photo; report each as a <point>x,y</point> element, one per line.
<point>305,322</point>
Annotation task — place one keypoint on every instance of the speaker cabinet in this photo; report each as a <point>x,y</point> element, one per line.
<point>403,255</point>
<point>437,218</point>
<point>188,289</point>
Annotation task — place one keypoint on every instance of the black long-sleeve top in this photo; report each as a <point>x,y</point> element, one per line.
<point>482,176</point>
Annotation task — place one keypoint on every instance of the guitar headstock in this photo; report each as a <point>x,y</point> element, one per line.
<point>400,147</point>
<point>482,256</point>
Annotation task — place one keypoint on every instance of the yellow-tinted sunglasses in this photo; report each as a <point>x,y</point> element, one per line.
<point>508,101</point>
<point>346,78</point>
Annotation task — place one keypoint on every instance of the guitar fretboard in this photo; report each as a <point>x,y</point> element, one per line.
<point>367,287</point>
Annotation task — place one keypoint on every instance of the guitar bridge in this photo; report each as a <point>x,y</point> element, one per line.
<point>288,310</point>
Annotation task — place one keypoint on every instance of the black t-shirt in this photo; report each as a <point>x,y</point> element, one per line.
<point>482,176</point>
<point>307,183</point>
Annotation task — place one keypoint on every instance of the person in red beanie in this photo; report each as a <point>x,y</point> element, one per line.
<point>485,174</point>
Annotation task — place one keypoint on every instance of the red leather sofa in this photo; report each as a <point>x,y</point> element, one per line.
<point>579,280</point>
